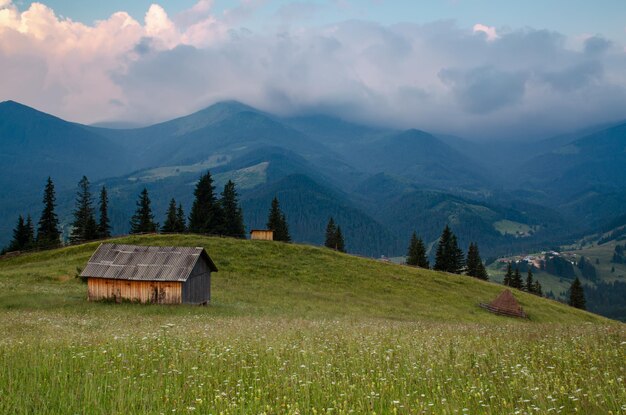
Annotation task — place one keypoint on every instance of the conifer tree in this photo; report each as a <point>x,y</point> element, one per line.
<point>530,284</point>
<point>537,289</point>
<point>508,277</point>
<point>104,225</point>
<point>181,225</point>
<point>277,222</point>
<point>416,254</point>
<point>334,237</point>
<point>577,295</point>
<point>206,213</point>
<point>20,236</point>
<point>143,219</point>
<point>283,231</point>
<point>442,260</point>
<point>30,233</point>
<point>474,265</point>
<point>84,227</point>
<point>171,219</point>
<point>341,246</point>
<point>48,234</point>
<point>457,258</point>
<point>449,257</point>
<point>517,282</point>
<point>233,215</point>
<point>331,234</point>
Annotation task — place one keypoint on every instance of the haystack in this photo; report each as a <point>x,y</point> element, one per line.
<point>505,304</point>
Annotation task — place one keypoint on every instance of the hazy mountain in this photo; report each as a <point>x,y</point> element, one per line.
<point>380,184</point>
<point>421,158</point>
<point>581,175</point>
<point>33,146</point>
<point>335,133</point>
<point>308,206</point>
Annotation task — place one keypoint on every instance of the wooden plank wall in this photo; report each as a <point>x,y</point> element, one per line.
<point>197,288</point>
<point>159,292</point>
<point>262,235</point>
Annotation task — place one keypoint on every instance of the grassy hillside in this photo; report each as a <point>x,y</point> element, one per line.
<point>271,278</point>
<point>296,330</point>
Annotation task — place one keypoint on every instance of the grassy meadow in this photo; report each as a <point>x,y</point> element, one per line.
<point>296,329</point>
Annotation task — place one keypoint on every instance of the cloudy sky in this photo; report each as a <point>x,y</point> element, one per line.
<point>500,69</point>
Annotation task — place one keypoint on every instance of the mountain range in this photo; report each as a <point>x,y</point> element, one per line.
<point>379,184</point>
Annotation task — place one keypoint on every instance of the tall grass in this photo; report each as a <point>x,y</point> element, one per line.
<point>297,330</point>
<point>267,365</point>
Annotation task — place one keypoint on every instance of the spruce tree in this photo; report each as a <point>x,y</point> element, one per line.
<point>577,295</point>
<point>449,257</point>
<point>537,290</point>
<point>442,256</point>
<point>474,265</point>
<point>206,214</point>
<point>331,234</point>
<point>20,236</point>
<point>471,265</point>
<point>171,219</point>
<point>457,258</point>
<point>48,234</point>
<point>283,230</point>
<point>181,226</point>
<point>30,233</point>
<point>517,282</point>
<point>277,222</point>
<point>530,284</point>
<point>416,254</point>
<point>508,277</point>
<point>84,227</point>
<point>233,215</point>
<point>274,218</point>
<point>104,225</point>
<point>341,246</point>
<point>143,219</point>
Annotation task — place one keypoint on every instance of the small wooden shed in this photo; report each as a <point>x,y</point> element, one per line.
<point>262,234</point>
<point>150,274</point>
<point>505,304</point>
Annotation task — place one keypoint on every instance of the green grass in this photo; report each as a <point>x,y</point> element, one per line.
<point>604,254</point>
<point>276,279</point>
<point>508,227</point>
<point>246,178</point>
<point>159,173</point>
<point>296,329</point>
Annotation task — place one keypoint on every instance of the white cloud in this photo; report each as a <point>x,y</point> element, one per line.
<point>436,76</point>
<point>489,31</point>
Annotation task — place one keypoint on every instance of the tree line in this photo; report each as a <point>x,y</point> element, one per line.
<point>209,214</point>
<point>575,294</point>
<point>449,257</point>
<point>514,280</point>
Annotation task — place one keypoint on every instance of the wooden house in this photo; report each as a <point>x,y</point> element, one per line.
<point>149,274</point>
<point>262,234</point>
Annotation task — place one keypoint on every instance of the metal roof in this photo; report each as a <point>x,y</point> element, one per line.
<point>144,263</point>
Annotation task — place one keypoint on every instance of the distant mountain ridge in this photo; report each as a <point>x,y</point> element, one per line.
<point>381,183</point>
